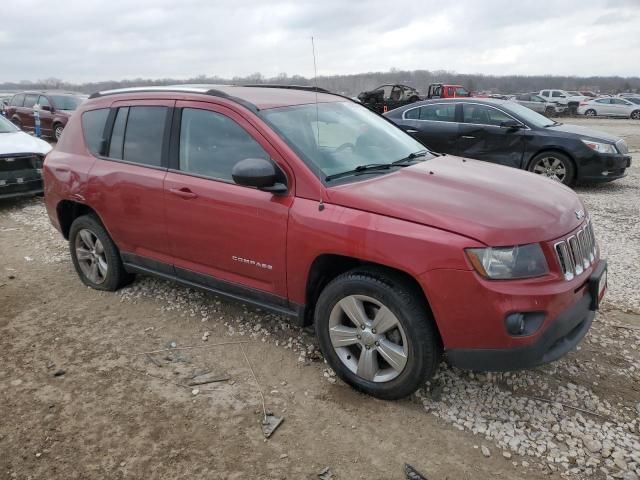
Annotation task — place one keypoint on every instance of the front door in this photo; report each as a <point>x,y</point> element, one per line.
<point>481,136</point>
<point>46,116</point>
<point>222,234</point>
<point>26,112</point>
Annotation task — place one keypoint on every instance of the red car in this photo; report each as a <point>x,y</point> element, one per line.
<point>330,214</point>
<point>55,110</point>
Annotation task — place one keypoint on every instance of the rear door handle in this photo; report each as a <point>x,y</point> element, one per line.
<point>183,192</point>
<point>411,130</point>
<point>468,136</point>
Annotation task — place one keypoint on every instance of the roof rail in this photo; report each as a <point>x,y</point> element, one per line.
<point>308,88</point>
<point>176,89</point>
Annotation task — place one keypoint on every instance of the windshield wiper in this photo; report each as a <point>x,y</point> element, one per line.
<point>370,167</point>
<point>410,158</point>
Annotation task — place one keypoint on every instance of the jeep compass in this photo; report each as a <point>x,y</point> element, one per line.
<point>312,206</point>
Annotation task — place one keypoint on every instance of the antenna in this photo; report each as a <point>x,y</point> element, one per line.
<point>315,82</point>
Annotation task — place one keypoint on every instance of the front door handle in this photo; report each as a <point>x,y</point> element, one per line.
<point>468,136</point>
<point>183,192</point>
<point>411,130</point>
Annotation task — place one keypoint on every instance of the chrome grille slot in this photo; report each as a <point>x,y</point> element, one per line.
<point>577,252</point>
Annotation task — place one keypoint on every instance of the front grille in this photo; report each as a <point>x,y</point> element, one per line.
<point>577,252</point>
<point>18,168</point>
<point>622,147</point>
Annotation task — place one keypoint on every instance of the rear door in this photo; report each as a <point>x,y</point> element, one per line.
<point>128,181</point>
<point>222,234</point>
<point>26,112</point>
<point>434,125</point>
<point>481,136</point>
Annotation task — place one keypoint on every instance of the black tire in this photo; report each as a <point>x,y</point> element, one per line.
<point>590,113</point>
<point>568,165</point>
<point>115,276</point>
<point>406,303</point>
<point>635,115</point>
<point>550,112</point>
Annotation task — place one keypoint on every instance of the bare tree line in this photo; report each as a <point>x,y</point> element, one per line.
<point>355,83</point>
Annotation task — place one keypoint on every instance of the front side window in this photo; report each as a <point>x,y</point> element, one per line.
<point>43,101</point>
<point>93,122</point>
<point>462,92</point>
<point>557,94</point>
<point>334,137</point>
<point>138,133</point>
<point>66,102</point>
<point>211,144</point>
<point>484,115</point>
<point>30,100</point>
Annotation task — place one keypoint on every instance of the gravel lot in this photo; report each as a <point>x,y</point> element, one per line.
<point>116,414</point>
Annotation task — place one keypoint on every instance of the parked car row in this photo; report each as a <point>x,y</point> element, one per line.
<point>371,236</point>
<point>507,133</point>
<point>54,108</point>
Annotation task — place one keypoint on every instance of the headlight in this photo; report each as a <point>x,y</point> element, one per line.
<point>501,263</point>
<point>599,147</point>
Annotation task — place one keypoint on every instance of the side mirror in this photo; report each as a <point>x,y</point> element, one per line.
<point>511,125</point>
<point>258,173</point>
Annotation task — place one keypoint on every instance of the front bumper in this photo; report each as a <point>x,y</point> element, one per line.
<point>559,336</point>
<point>603,167</point>
<point>26,188</point>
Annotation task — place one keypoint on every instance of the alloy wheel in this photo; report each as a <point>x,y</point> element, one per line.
<point>552,168</point>
<point>58,132</point>
<point>91,256</point>
<point>635,114</point>
<point>368,338</point>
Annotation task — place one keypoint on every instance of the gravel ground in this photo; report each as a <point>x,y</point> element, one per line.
<point>576,418</point>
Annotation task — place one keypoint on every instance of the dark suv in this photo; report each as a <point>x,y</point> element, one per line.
<point>312,206</point>
<point>55,110</point>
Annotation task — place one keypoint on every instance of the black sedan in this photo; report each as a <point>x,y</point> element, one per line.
<point>510,134</point>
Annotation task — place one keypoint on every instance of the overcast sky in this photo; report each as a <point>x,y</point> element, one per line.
<point>85,40</point>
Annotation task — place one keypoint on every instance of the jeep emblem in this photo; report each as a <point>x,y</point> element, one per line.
<point>579,214</point>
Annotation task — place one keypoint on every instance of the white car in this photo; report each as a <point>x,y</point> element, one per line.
<point>610,107</point>
<point>21,157</point>
<point>562,97</point>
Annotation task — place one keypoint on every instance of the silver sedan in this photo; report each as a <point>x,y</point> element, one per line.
<point>538,104</point>
<point>610,107</point>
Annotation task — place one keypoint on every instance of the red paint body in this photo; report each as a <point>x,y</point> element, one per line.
<point>417,219</point>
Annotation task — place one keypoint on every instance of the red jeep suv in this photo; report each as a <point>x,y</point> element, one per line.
<point>312,206</point>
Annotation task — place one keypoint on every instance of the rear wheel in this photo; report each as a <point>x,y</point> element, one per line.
<point>549,112</point>
<point>635,114</point>
<point>95,256</point>
<point>554,165</point>
<point>590,113</point>
<point>376,332</point>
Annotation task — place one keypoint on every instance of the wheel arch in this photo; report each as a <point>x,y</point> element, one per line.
<point>326,267</point>
<point>551,150</point>
<point>68,211</point>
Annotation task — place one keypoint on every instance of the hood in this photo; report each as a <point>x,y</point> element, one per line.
<point>584,132</point>
<point>496,205</point>
<point>20,142</point>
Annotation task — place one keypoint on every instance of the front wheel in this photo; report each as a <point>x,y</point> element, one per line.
<point>57,131</point>
<point>376,332</point>
<point>95,256</point>
<point>635,114</point>
<point>553,165</point>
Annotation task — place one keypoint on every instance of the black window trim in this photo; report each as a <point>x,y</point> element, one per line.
<point>174,151</point>
<point>462,122</point>
<point>455,108</point>
<point>108,132</point>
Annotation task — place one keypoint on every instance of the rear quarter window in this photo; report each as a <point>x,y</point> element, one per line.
<point>93,123</point>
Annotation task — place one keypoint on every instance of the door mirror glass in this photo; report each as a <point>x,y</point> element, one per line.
<point>258,173</point>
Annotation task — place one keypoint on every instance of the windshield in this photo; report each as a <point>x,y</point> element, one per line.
<point>6,126</point>
<point>66,102</point>
<point>340,136</point>
<point>528,116</point>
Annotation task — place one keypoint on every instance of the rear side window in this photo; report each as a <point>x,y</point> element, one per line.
<point>17,100</point>
<point>211,144</point>
<point>30,100</point>
<point>545,93</point>
<point>93,123</point>
<point>604,100</point>
<point>138,134</point>
<point>438,112</point>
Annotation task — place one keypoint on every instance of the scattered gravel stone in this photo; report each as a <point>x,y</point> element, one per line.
<point>195,391</point>
<point>485,451</point>
<point>506,454</point>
